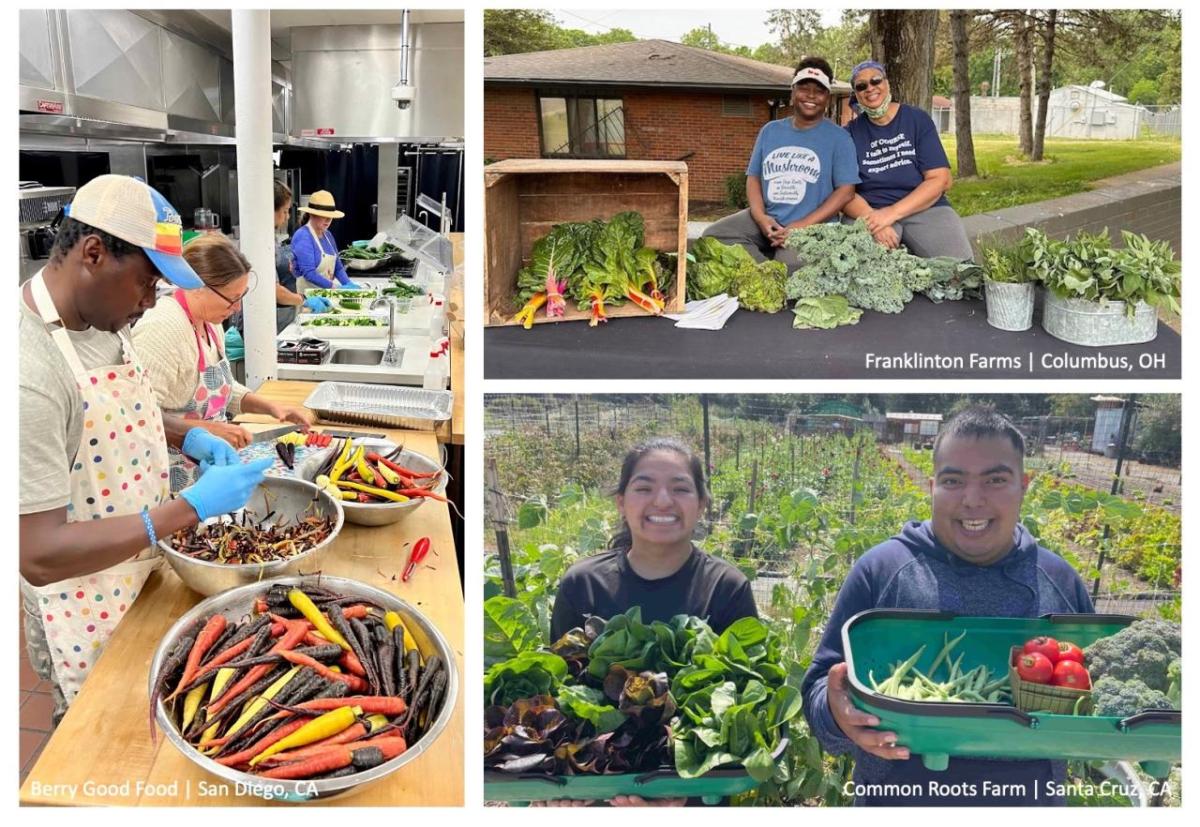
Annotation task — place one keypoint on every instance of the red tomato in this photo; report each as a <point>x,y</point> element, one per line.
<point>1035,667</point>
<point>1069,651</point>
<point>1070,674</point>
<point>1047,646</point>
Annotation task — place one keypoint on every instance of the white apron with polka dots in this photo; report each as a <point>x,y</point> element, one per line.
<point>120,467</point>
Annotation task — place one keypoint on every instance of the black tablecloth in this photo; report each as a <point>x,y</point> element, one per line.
<point>936,341</point>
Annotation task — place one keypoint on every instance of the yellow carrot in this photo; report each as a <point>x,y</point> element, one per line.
<point>191,704</point>
<point>312,614</point>
<point>376,492</point>
<point>257,705</point>
<point>224,675</point>
<point>325,726</point>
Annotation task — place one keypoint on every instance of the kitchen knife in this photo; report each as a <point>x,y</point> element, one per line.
<point>353,434</point>
<point>272,434</point>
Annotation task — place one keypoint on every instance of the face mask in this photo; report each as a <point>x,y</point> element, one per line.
<point>881,110</point>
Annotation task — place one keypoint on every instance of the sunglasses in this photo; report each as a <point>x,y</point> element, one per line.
<point>232,302</point>
<point>875,81</point>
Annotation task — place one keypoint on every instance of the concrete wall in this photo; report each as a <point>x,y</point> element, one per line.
<point>1147,202</point>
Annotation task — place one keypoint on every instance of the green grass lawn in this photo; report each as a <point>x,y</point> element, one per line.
<point>1005,180</point>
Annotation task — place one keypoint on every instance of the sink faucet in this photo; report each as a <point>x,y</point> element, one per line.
<point>391,356</point>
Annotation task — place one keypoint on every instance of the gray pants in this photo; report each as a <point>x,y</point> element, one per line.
<point>937,231</point>
<point>740,229</point>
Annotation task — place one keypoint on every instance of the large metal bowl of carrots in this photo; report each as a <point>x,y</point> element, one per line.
<point>300,688</point>
<point>281,502</point>
<point>398,479</point>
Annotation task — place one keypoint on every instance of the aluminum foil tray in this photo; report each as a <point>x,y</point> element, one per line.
<point>414,409</point>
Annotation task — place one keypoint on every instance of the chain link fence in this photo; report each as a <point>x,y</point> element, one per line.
<point>759,446</point>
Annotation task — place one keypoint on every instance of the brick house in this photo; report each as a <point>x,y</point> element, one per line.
<point>643,100</point>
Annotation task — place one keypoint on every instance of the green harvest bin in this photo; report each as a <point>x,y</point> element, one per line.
<point>711,787</point>
<point>877,638</point>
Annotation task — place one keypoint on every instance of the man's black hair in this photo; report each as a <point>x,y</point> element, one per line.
<point>981,422</point>
<point>71,232</point>
<point>816,63</point>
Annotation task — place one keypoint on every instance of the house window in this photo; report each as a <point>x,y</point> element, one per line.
<point>735,106</point>
<point>582,127</point>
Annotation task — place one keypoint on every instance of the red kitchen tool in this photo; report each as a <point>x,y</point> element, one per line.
<point>415,556</point>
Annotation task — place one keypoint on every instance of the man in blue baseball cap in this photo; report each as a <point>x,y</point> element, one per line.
<point>93,469</point>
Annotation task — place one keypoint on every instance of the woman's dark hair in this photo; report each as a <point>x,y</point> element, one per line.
<point>71,232</point>
<point>623,539</point>
<point>981,422</point>
<point>816,63</point>
<point>283,194</point>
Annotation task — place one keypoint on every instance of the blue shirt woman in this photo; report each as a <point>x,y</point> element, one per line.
<point>904,173</point>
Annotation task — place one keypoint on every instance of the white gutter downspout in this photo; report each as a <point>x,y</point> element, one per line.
<point>252,109</point>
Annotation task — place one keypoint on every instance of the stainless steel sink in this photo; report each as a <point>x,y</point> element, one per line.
<point>356,356</point>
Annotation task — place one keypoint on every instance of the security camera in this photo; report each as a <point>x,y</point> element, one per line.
<point>402,94</point>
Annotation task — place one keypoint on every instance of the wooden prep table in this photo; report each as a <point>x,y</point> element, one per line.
<point>104,740</point>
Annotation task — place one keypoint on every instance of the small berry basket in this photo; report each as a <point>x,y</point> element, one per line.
<point>1042,697</point>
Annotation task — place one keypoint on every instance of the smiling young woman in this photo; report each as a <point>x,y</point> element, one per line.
<point>652,561</point>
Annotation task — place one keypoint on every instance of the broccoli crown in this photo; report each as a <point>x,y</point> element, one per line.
<point>1144,649</point>
<point>1120,699</point>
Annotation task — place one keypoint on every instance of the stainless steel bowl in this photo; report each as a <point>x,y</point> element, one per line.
<point>287,497</point>
<point>236,604</point>
<point>376,514</point>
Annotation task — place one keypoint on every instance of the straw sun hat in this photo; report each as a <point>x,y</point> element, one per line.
<point>321,203</point>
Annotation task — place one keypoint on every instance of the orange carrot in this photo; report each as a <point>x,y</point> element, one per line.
<point>336,757</point>
<point>352,664</point>
<point>371,704</point>
<point>212,630</point>
<point>332,759</point>
<point>355,684</point>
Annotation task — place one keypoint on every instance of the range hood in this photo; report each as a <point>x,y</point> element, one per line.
<point>167,77</point>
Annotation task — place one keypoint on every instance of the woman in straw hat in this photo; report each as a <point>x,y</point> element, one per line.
<point>314,247</point>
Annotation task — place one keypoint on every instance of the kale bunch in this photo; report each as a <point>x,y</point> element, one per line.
<point>845,260</point>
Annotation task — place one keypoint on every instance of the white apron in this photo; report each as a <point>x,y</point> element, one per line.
<point>209,402</point>
<point>326,266</point>
<point>121,466</point>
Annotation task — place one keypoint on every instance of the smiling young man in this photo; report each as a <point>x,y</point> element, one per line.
<point>972,558</point>
<point>802,172</point>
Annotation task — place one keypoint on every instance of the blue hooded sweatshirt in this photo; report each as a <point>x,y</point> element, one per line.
<point>915,571</point>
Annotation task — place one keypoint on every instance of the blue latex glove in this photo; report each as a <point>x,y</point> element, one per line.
<point>225,488</point>
<point>351,286</point>
<point>208,449</point>
<point>318,304</point>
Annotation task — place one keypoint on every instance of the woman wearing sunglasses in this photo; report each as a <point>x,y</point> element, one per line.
<point>182,349</point>
<point>904,172</point>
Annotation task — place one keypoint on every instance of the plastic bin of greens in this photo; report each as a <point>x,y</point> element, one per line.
<point>877,638</point>
<point>386,406</point>
<point>711,787</point>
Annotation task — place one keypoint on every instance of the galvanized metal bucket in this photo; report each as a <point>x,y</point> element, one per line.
<point>1098,324</point>
<point>1009,306</point>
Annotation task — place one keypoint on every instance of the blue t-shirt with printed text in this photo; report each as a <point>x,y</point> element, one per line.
<point>800,168</point>
<point>893,159</point>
